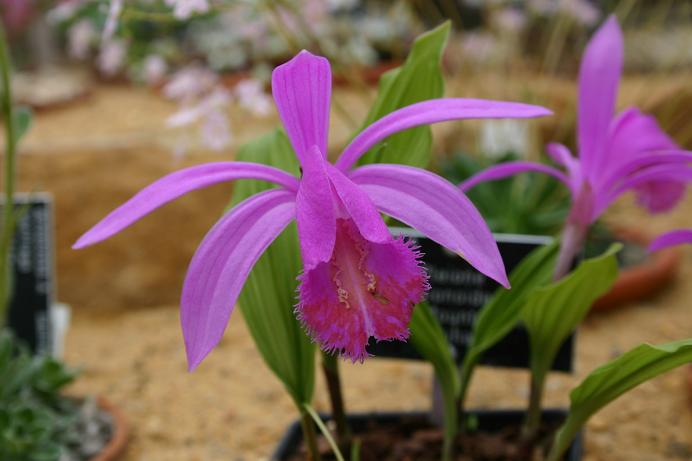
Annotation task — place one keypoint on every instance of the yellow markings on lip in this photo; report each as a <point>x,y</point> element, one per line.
<point>381,299</point>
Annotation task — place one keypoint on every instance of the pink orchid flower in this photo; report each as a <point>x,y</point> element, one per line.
<point>672,238</point>
<point>358,280</point>
<point>616,154</point>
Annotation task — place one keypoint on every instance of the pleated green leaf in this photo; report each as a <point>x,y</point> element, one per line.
<point>551,313</point>
<point>269,295</point>
<point>429,339</point>
<point>503,311</point>
<point>615,378</point>
<point>418,79</point>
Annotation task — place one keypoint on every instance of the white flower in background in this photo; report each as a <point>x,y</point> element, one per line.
<point>190,83</point>
<point>210,110</point>
<point>80,37</point>
<point>339,5</point>
<point>155,69</point>
<point>183,9</point>
<point>543,7</point>
<point>509,19</point>
<point>478,46</point>
<point>191,113</point>
<point>116,7</point>
<point>502,136</point>
<point>582,11</point>
<point>112,57</point>
<point>251,97</point>
<point>216,133</point>
<point>63,11</point>
<point>315,12</point>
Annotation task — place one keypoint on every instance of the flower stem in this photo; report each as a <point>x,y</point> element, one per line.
<point>532,422</point>
<point>330,367</point>
<point>310,436</point>
<point>572,240</point>
<point>8,217</point>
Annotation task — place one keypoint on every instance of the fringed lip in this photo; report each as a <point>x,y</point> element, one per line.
<point>367,289</point>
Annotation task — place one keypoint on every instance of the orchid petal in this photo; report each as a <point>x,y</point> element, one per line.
<point>222,263</point>
<point>175,185</point>
<point>671,238</point>
<point>652,159</point>
<point>562,156</point>
<point>437,209</point>
<point>359,207</point>
<point>663,173</point>
<point>599,77</point>
<point>302,89</point>
<point>432,111</point>
<point>315,211</point>
<point>504,170</point>
<point>633,133</point>
<point>634,137</point>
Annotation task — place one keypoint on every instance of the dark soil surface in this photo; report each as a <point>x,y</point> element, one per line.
<point>414,438</point>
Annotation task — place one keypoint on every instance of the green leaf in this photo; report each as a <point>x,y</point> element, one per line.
<point>429,339</point>
<point>613,379</point>
<point>503,311</point>
<point>269,293</point>
<point>418,79</point>
<point>551,313</point>
<point>22,122</point>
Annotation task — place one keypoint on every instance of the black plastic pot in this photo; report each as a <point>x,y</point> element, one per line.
<point>488,421</point>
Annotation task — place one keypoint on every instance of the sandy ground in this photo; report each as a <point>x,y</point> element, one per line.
<point>126,338</point>
<point>232,408</point>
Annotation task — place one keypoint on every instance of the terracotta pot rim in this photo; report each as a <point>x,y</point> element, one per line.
<point>642,280</point>
<point>689,382</point>
<point>121,432</point>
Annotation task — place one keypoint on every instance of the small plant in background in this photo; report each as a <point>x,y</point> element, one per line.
<point>37,421</point>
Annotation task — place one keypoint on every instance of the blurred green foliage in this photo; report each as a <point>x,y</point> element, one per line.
<point>530,203</point>
<point>36,421</point>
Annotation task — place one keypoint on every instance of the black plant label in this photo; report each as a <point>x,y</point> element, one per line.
<point>457,294</point>
<point>32,274</point>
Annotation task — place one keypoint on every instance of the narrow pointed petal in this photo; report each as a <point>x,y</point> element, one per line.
<point>435,208</point>
<point>366,289</point>
<point>659,175</point>
<point>562,156</point>
<point>504,170</point>
<point>302,89</point>
<point>315,211</point>
<point>359,207</point>
<point>432,111</point>
<point>175,185</point>
<point>650,159</point>
<point>599,76</point>
<point>633,134</point>
<point>636,141</point>
<point>669,239</point>
<point>222,263</point>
